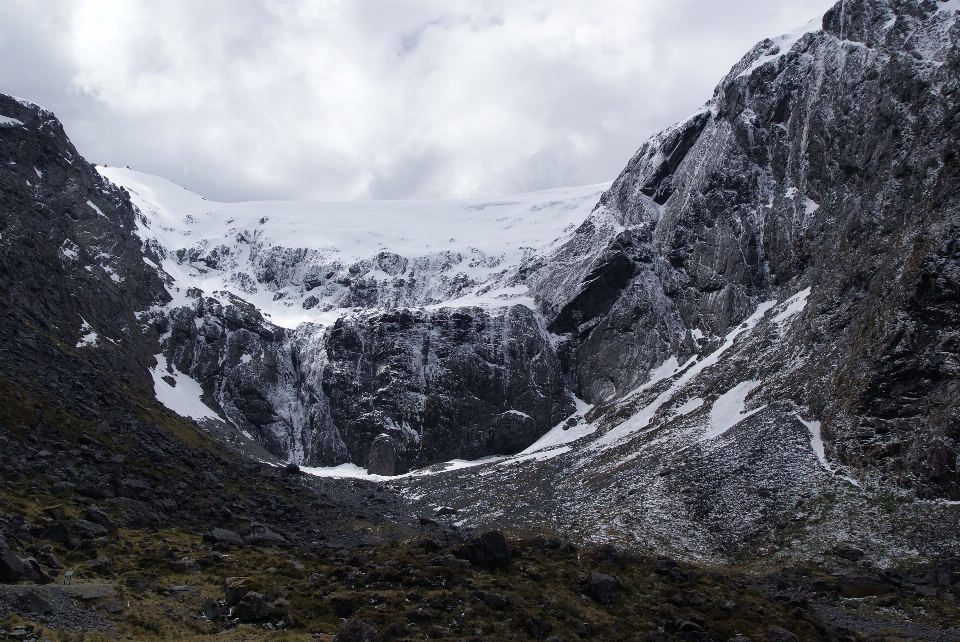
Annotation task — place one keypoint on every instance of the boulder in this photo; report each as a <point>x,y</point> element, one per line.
<point>234,588</point>
<point>382,459</point>
<point>863,587</point>
<point>263,536</point>
<point>776,634</point>
<point>12,567</point>
<point>97,516</point>
<point>450,561</point>
<point>488,551</point>
<point>223,536</point>
<point>87,529</point>
<point>252,607</point>
<point>357,631</point>
<point>603,588</point>
<point>211,609</point>
<point>35,603</point>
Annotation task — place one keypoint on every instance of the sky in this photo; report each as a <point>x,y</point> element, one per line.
<point>376,99</point>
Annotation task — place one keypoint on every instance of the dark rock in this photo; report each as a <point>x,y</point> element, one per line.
<point>585,630</point>
<point>495,601</point>
<point>222,535</point>
<point>12,567</point>
<point>451,561</point>
<point>862,587</point>
<point>97,516</point>
<point>251,607</point>
<point>234,588</point>
<point>603,588</point>
<point>263,536</point>
<point>489,550</point>
<point>87,529</point>
<point>847,553</point>
<point>537,628</point>
<point>382,459</point>
<point>342,607</point>
<point>36,604</point>
<point>776,634</point>
<point>357,631</point>
<point>137,584</point>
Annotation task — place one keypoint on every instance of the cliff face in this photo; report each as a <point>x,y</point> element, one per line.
<point>825,160</point>
<point>70,262</point>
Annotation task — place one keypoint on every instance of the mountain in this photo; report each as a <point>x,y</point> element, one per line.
<point>744,347</point>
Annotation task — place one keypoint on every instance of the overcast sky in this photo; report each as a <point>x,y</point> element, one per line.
<point>241,100</point>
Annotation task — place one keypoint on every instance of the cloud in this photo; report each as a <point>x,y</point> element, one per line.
<point>375,99</point>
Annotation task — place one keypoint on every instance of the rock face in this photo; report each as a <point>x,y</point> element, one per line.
<point>383,456</point>
<point>463,382</point>
<point>827,163</point>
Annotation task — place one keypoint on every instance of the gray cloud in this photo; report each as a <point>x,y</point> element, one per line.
<point>283,99</point>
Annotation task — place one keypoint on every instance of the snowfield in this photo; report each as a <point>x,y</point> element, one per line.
<point>294,260</point>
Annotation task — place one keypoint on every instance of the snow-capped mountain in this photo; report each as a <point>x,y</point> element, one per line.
<point>744,340</point>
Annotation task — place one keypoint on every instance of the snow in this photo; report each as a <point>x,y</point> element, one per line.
<point>88,339</point>
<point>184,398</point>
<point>356,472</point>
<point>950,6</point>
<point>6,121</point>
<point>728,409</point>
<point>641,419</point>
<point>809,206</point>
<point>687,407</point>
<point>246,359</point>
<point>816,443</point>
<point>39,173</point>
<point>794,305</point>
<point>96,209</point>
<point>664,371</point>
<point>69,250</point>
<point>477,239</point>
<point>557,436</point>
<point>785,43</point>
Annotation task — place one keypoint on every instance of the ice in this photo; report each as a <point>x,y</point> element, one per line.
<point>69,250</point>
<point>6,121</point>
<point>184,397</point>
<point>728,409</point>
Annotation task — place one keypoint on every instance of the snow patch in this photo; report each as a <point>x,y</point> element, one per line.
<point>90,338</point>
<point>794,305</point>
<point>562,433</point>
<point>728,409</point>
<point>6,121</point>
<point>688,406</point>
<point>816,444</point>
<point>69,250</point>
<point>246,359</point>
<point>948,7</point>
<point>184,398</point>
<point>96,209</point>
